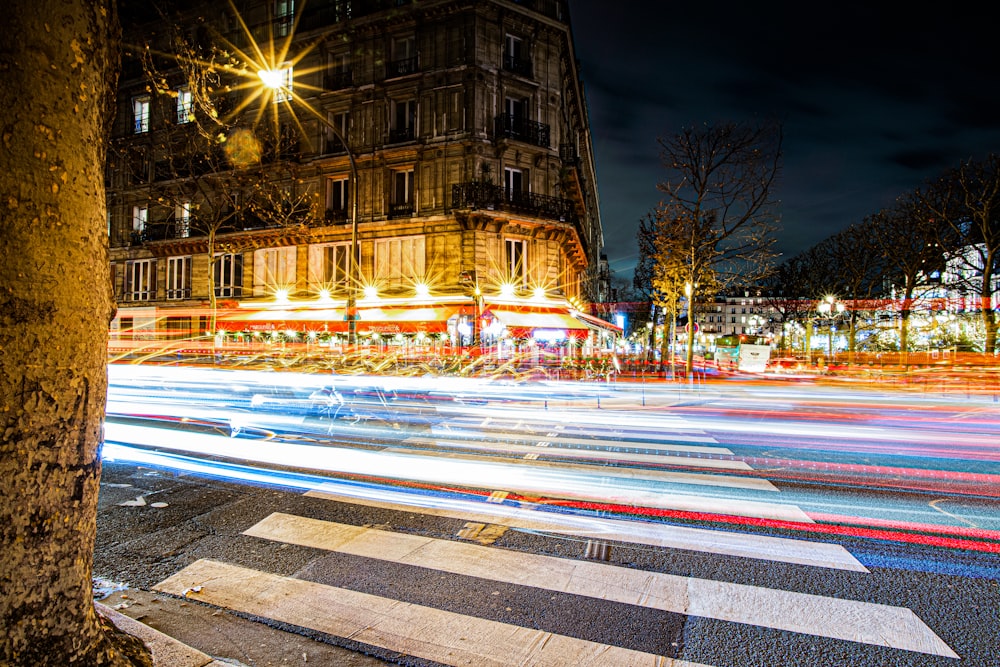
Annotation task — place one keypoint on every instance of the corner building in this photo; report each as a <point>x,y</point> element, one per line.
<point>445,142</point>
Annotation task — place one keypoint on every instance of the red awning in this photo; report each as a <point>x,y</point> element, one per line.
<point>388,320</point>
<point>597,323</point>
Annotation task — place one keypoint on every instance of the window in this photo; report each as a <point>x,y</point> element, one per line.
<point>179,277</point>
<point>516,108</point>
<point>140,114</point>
<point>336,200</point>
<point>339,73</point>
<point>329,265</point>
<point>284,15</point>
<point>140,217</point>
<point>279,80</point>
<point>516,261</point>
<point>400,261</point>
<point>185,105</point>
<point>516,56</point>
<point>273,269</point>
<point>402,193</point>
<point>339,122</point>
<point>404,57</point>
<point>515,183</point>
<point>140,280</point>
<point>228,274</point>
<point>182,220</point>
<point>404,121</point>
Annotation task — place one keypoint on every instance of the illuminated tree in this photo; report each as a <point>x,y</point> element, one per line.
<point>59,60</point>
<point>717,214</point>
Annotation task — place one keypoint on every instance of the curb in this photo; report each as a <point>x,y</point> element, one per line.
<point>166,651</point>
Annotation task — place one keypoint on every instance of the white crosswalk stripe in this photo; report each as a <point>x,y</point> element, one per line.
<point>777,549</point>
<point>433,634</point>
<point>782,610</point>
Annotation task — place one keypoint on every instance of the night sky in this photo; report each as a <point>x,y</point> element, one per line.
<point>874,101</point>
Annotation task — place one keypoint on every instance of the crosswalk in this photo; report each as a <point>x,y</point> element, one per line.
<point>419,624</point>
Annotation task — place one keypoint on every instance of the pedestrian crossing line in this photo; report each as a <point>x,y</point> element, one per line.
<point>606,452</point>
<point>442,636</point>
<point>663,476</point>
<point>743,545</point>
<point>849,620</point>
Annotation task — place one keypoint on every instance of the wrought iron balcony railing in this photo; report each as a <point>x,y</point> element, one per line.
<point>403,210</point>
<point>400,134</point>
<point>490,196</point>
<point>401,67</point>
<point>338,80</point>
<point>519,66</point>
<point>515,127</point>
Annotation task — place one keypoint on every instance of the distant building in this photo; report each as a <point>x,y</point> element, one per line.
<point>446,142</point>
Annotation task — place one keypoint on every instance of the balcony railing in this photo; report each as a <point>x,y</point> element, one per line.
<point>516,127</point>
<point>403,210</point>
<point>338,80</point>
<point>490,196</point>
<point>401,67</point>
<point>335,216</point>
<point>519,66</point>
<point>400,134</point>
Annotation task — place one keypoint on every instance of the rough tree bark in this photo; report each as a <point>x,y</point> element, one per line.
<point>58,64</point>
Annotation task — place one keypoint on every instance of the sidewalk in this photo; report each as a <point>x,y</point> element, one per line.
<point>182,633</point>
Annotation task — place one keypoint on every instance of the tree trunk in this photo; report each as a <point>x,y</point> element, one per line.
<point>59,64</point>
<point>690,336</point>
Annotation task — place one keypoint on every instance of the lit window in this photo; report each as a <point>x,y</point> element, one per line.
<point>140,217</point>
<point>516,264</point>
<point>185,105</point>
<point>228,274</point>
<point>179,277</point>
<point>274,268</point>
<point>140,113</point>
<point>284,14</point>
<point>140,280</point>
<point>400,261</point>
<point>280,80</point>
<point>182,220</point>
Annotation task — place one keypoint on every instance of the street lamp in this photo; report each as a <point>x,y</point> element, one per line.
<point>830,308</point>
<point>280,80</point>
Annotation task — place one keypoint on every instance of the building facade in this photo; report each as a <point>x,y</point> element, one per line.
<point>416,168</point>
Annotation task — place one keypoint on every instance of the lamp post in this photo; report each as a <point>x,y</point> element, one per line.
<point>830,308</point>
<point>277,81</point>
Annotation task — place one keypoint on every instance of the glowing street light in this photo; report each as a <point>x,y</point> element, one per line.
<point>280,80</point>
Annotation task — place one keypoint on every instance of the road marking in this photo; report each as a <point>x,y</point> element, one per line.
<point>849,620</point>
<point>526,517</point>
<point>623,472</point>
<point>603,454</point>
<point>674,438</point>
<point>608,486</point>
<point>432,634</point>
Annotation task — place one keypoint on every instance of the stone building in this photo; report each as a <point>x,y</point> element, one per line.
<point>444,144</point>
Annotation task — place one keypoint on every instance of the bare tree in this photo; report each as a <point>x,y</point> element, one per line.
<point>210,173</point>
<point>965,202</point>
<point>718,207</point>
<point>60,64</point>
<point>908,236</point>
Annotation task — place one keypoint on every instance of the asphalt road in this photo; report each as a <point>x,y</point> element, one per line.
<point>725,525</point>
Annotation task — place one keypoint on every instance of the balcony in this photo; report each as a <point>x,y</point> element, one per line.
<point>401,67</point>
<point>338,80</point>
<point>492,197</point>
<point>521,129</point>
<point>519,66</point>
<point>335,216</point>
<point>403,210</point>
<point>400,134</point>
